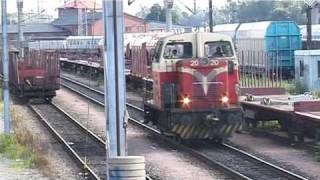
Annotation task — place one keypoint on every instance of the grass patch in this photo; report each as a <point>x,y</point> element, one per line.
<point>11,148</point>
<point>23,147</point>
<point>30,143</point>
<point>271,125</point>
<point>20,146</point>
<point>100,80</point>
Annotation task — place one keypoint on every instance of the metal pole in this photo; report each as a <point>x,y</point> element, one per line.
<point>169,19</point>
<point>86,22</point>
<point>309,28</point>
<point>20,32</point>
<point>210,16</point>
<point>38,7</point>
<point>114,76</point>
<point>5,61</point>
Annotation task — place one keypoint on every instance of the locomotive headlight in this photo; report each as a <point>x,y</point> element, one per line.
<point>204,61</point>
<point>186,101</point>
<point>225,99</point>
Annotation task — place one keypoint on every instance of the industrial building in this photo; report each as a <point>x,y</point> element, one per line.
<point>85,18</point>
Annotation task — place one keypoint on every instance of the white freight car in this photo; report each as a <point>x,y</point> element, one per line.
<point>47,44</point>
<point>83,42</point>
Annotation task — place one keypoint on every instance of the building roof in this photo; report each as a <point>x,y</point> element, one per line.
<point>91,17</point>
<point>82,4</point>
<point>34,28</point>
<point>135,17</point>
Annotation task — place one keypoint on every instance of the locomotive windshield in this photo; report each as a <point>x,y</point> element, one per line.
<point>179,50</point>
<point>218,49</point>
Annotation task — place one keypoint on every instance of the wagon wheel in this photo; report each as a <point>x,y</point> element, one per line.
<point>219,140</point>
<point>284,125</point>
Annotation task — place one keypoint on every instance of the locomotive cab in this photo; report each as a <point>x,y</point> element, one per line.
<point>195,86</point>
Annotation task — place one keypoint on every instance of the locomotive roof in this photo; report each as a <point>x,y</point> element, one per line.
<point>208,36</point>
<point>136,39</point>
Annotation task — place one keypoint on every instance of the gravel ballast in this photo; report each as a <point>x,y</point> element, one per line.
<point>163,162</point>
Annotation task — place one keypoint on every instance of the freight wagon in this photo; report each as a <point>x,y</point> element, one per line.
<point>279,39</point>
<point>34,76</point>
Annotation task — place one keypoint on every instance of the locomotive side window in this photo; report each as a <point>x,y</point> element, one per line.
<point>218,49</point>
<point>178,50</point>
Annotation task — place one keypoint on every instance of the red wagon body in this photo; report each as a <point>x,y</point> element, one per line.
<point>36,75</point>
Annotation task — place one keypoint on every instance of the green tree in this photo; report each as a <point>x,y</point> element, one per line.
<point>144,11</point>
<point>251,11</point>
<point>158,13</point>
<point>290,10</point>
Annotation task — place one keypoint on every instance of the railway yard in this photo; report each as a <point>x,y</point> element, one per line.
<point>97,93</point>
<point>262,147</point>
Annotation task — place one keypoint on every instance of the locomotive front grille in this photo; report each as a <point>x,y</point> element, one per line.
<point>213,93</point>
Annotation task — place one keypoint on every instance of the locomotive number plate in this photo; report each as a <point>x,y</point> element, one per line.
<point>194,63</point>
<point>214,62</point>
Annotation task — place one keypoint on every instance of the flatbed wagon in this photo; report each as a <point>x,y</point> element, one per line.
<point>298,115</point>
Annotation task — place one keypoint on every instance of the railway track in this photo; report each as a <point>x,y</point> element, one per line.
<point>87,150</point>
<point>235,162</point>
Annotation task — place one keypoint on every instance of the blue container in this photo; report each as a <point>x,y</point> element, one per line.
<point>282,39</point>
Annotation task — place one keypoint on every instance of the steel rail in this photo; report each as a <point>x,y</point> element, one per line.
<point>201,156</point>
<point>283,171</point>
<point>80,162</point>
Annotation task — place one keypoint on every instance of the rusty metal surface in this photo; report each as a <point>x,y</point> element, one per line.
<point>140,61</point>
<point>276,107</point>
<point>37,71</point>
<point>302,111</point>
<point>307,106</point>
<point>262,91</point>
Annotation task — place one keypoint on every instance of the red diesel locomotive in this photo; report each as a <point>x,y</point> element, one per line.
<point>195,84</point>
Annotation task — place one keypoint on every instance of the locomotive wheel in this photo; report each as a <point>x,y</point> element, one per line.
<point>301,137</point>
<point>178,139</point>
<point>148,115</point>
<point>161,132</point>
<point>48,99</point>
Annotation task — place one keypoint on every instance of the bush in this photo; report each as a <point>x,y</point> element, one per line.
<point>316,94</point>
<point>295,87</point>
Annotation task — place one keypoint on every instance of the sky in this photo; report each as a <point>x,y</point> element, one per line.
<point>51,5</point>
